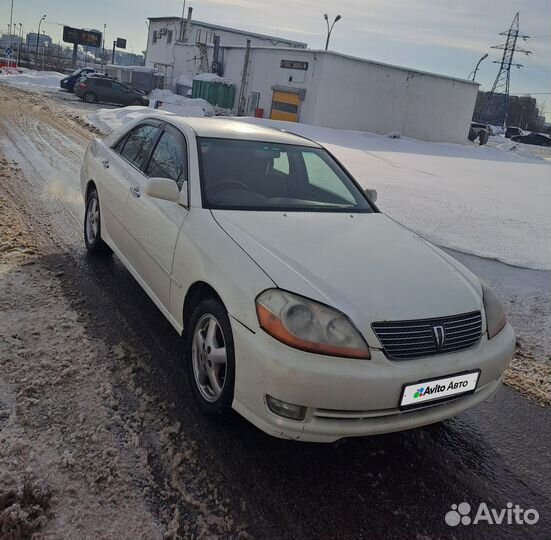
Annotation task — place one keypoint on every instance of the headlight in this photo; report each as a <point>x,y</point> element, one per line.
<point>308,325</point>
<point>495,314</point>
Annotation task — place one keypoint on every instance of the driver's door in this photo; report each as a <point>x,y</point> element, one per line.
<point>154,224</point>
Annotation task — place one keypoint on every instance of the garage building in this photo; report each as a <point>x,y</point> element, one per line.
<point>284,80</point>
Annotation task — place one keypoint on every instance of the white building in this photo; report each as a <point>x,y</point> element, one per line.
<point>176,46</point>
<point>290,82</point>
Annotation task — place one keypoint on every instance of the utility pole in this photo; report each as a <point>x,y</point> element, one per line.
<point>496,106</point>
<point>103,48</point>
<point>330,28</point>
<point>38,40</point>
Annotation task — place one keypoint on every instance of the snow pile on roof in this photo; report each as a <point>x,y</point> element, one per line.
<point>184,80</point>
<point>212,77</point>
<point>43,79</point>
<point>169,101</point>
<point>476,199</point>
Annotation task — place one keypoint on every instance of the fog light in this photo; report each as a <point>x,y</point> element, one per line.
<point>287,410</point>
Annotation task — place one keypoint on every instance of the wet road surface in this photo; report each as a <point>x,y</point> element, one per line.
<point>390,486</point>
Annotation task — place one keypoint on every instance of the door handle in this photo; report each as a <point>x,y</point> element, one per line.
<point>105,163</point>
<point>135,190</point>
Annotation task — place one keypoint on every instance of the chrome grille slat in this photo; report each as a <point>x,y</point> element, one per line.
<point>404,340</point>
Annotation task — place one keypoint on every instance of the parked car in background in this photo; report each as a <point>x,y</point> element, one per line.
<point>539,139</point>
<point>304,308</point>
<point>68,83</point>
<point>512,131</point>
<point>93,89</point>
<point>480,131</point>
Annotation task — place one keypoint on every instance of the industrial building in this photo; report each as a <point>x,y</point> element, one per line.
<point>284,80</point>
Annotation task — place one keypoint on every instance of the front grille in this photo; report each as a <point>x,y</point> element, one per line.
<point>403,340</point>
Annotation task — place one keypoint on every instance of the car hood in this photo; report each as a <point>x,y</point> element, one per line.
<point>366,265</point>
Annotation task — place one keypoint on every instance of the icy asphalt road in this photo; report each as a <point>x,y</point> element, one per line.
<point>386,486</point>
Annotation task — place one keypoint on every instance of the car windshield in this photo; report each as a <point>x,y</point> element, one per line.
<point>253,175</point>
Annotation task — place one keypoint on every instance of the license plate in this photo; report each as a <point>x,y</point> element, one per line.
<point>423,392</point>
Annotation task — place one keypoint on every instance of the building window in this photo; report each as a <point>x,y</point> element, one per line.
<point>169,37</point>
<point>155,36</point>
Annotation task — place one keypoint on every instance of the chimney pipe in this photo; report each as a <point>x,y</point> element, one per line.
<point>187,23</point>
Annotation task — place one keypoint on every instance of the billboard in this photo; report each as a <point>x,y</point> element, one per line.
<point>121,43</point>
<point>78,36</point>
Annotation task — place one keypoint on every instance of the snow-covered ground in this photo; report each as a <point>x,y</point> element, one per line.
<point>33,79</point>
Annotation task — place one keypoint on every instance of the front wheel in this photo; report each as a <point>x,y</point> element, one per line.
<point>92,226</point>
<point>211,357</point>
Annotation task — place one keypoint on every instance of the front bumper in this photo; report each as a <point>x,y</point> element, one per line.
<point>347,397</point>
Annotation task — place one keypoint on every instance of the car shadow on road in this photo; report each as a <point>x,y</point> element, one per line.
<point>388,485</point>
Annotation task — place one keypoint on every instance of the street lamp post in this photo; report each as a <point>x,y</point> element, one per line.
<point>11,24</point>
<point>477,66</point>
<point>20,43</point>
<point>38,40</point>
<point>330,28</point>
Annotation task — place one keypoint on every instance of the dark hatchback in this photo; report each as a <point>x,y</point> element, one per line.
<point>539,139</point>
<point>94,89</point>
<point>68,83</point>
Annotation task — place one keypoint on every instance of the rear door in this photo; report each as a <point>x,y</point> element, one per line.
<point>154,224</point>
<point>120,169</point>
<point>101,87</point>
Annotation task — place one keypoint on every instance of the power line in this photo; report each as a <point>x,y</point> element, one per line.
<point>497,100</point>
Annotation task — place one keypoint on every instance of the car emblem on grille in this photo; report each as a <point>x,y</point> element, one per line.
<point>439,336</point>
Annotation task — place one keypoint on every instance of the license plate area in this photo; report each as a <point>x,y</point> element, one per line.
<point>438,389</point>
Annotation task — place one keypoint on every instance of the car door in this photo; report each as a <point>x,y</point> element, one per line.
<point>119,167</point>
<point>154,224</point>
<point>120,93</point>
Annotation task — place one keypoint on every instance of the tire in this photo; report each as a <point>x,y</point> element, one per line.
<point>212,375</point>
<point>90,97</point>
<point>92,227</point>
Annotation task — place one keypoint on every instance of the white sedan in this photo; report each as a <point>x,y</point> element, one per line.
<point>304,308</point>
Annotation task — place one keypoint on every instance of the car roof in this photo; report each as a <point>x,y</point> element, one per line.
<point>225,128</point>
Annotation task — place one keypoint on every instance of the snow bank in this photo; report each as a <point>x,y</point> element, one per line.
<point>171,102</point>
<point>107,120</point>
<point>42,79</point>
<point>212,77</point>
<point>475,199</point>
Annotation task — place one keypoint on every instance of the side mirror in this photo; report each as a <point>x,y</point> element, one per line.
<point>162,188</point>
<point>371,194</point>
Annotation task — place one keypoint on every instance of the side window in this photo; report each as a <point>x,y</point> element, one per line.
<point>322,176</point>
<point>120,145</point>
<point>281,163</point>
<point>138,144</point>
<point>169,159</point>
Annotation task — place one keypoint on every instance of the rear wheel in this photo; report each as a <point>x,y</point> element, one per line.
<point>211,358</point>
<point>92,226</point>
<point>90,97</point>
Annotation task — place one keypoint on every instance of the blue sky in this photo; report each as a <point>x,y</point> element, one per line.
<point>442,36</point>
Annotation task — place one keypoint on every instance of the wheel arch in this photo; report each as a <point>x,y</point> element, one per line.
<point>90,185</point>
<point>197,292</point>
